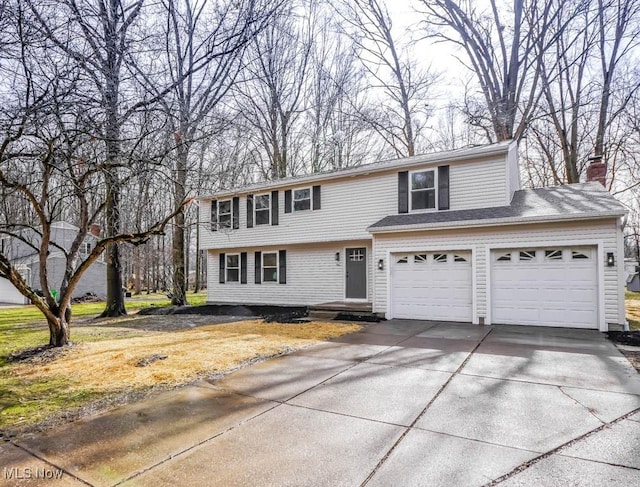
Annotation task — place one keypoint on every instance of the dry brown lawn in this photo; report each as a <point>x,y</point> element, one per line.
<point>101,370</point>
<point>210,349</point>
<point>633,313</point>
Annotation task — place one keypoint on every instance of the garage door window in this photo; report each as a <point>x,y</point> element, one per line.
<point>440,258</point>
<point>403,260</point>
<point>527,255</point>
<point>553,254</point>
<point>504,257</point>
<point>420,258</point>
<point>578,255</point>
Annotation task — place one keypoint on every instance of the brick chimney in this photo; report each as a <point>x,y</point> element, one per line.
<point>94,229</point>
<point>597,171</point>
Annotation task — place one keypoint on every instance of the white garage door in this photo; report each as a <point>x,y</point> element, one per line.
<point>431,286</point>
<point>9,294</point>
<point>545,287</point>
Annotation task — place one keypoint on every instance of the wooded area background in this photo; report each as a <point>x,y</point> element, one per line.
<point>116,112</point>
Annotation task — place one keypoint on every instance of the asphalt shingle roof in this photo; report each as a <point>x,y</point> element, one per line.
<point>585,200</point>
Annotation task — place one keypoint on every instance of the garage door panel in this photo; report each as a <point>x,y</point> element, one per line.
<point>431,286</point>
<point>545,292</point>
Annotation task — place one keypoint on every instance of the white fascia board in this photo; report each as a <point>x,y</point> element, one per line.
<point>493,222</point>
<point>366,169</point>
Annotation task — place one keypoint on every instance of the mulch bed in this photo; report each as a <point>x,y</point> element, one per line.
<point>633,357</point>
<point>38,355</point>
<point>625,337</point>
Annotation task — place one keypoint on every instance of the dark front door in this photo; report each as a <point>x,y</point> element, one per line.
<point>356,273</point>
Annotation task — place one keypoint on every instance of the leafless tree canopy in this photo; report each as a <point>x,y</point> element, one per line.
<point>116,112</point>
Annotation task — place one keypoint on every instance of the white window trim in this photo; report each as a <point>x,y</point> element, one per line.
<point>226,269</point>
<point>293,198</point>
<point>435,188</point>
<point>262,267</point>
<point>219,225</point>
<point>255,209</point>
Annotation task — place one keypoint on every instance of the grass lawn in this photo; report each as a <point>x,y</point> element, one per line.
<point>633,309</point>
<point>103,363</point>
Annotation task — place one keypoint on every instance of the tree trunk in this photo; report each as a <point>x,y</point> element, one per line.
<point>58,331</point>
<point>115,296</point>
<point>179,288</point>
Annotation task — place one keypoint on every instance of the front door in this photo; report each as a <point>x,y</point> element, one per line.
<point>356,273</point>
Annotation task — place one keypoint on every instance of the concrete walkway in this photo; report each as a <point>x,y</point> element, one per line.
<point>401,403</point>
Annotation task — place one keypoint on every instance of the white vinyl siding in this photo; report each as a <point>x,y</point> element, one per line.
<point>313,276</point>
<point>350,205</point>
<point>482,240</point>
<point>479,185</point>
<point>9,294</point>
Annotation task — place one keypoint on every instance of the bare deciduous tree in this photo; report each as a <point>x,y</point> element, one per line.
<point>403,85</point>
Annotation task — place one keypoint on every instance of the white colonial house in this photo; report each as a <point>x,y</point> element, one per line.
<point>449,236</point>
<point>27,261</point>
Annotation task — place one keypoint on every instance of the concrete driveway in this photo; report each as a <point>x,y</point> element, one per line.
<point>401,403</point>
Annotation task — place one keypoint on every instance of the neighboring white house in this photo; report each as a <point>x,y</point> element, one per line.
<point>26,260</point>
<point>447,236</point>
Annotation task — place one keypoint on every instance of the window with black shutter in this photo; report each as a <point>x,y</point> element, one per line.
<point>249,211</point>
<point>282,266</point>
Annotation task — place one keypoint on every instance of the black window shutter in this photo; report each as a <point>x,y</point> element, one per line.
<point>403,192</point>
<point>235,210</point>
<point>249,211</point>
<point>243,267</point>
<point>316,197</point>
<point>274,207</point>
<point>282,266</point>
<point>288,201</point>
<point>443,187</point>
<point>258,267</point>
<point>214,215</point>
<point>222,268</point>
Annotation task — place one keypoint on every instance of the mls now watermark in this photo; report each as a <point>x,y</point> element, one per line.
<point>32,473</point>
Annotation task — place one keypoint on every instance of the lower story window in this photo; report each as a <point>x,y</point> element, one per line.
<point>270,267</point>
<point>233,268</point>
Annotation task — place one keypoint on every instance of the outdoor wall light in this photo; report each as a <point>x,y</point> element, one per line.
<point>611,261</point>
<point>337,256</point>
<point>380,264</point>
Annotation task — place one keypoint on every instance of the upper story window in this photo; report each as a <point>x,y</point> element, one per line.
<point>301,199</point>
<point>263,209</point>
<point>423,190</point>
<point>224,214</point>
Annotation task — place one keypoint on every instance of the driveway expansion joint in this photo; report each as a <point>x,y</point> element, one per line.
<point>423,412</point>
<point>611,464</point>
<point>522,467</point>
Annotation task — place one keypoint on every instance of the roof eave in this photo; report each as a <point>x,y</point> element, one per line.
<point>494,222</point>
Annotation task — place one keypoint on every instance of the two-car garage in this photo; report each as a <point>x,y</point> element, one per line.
<point>540,286</point>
